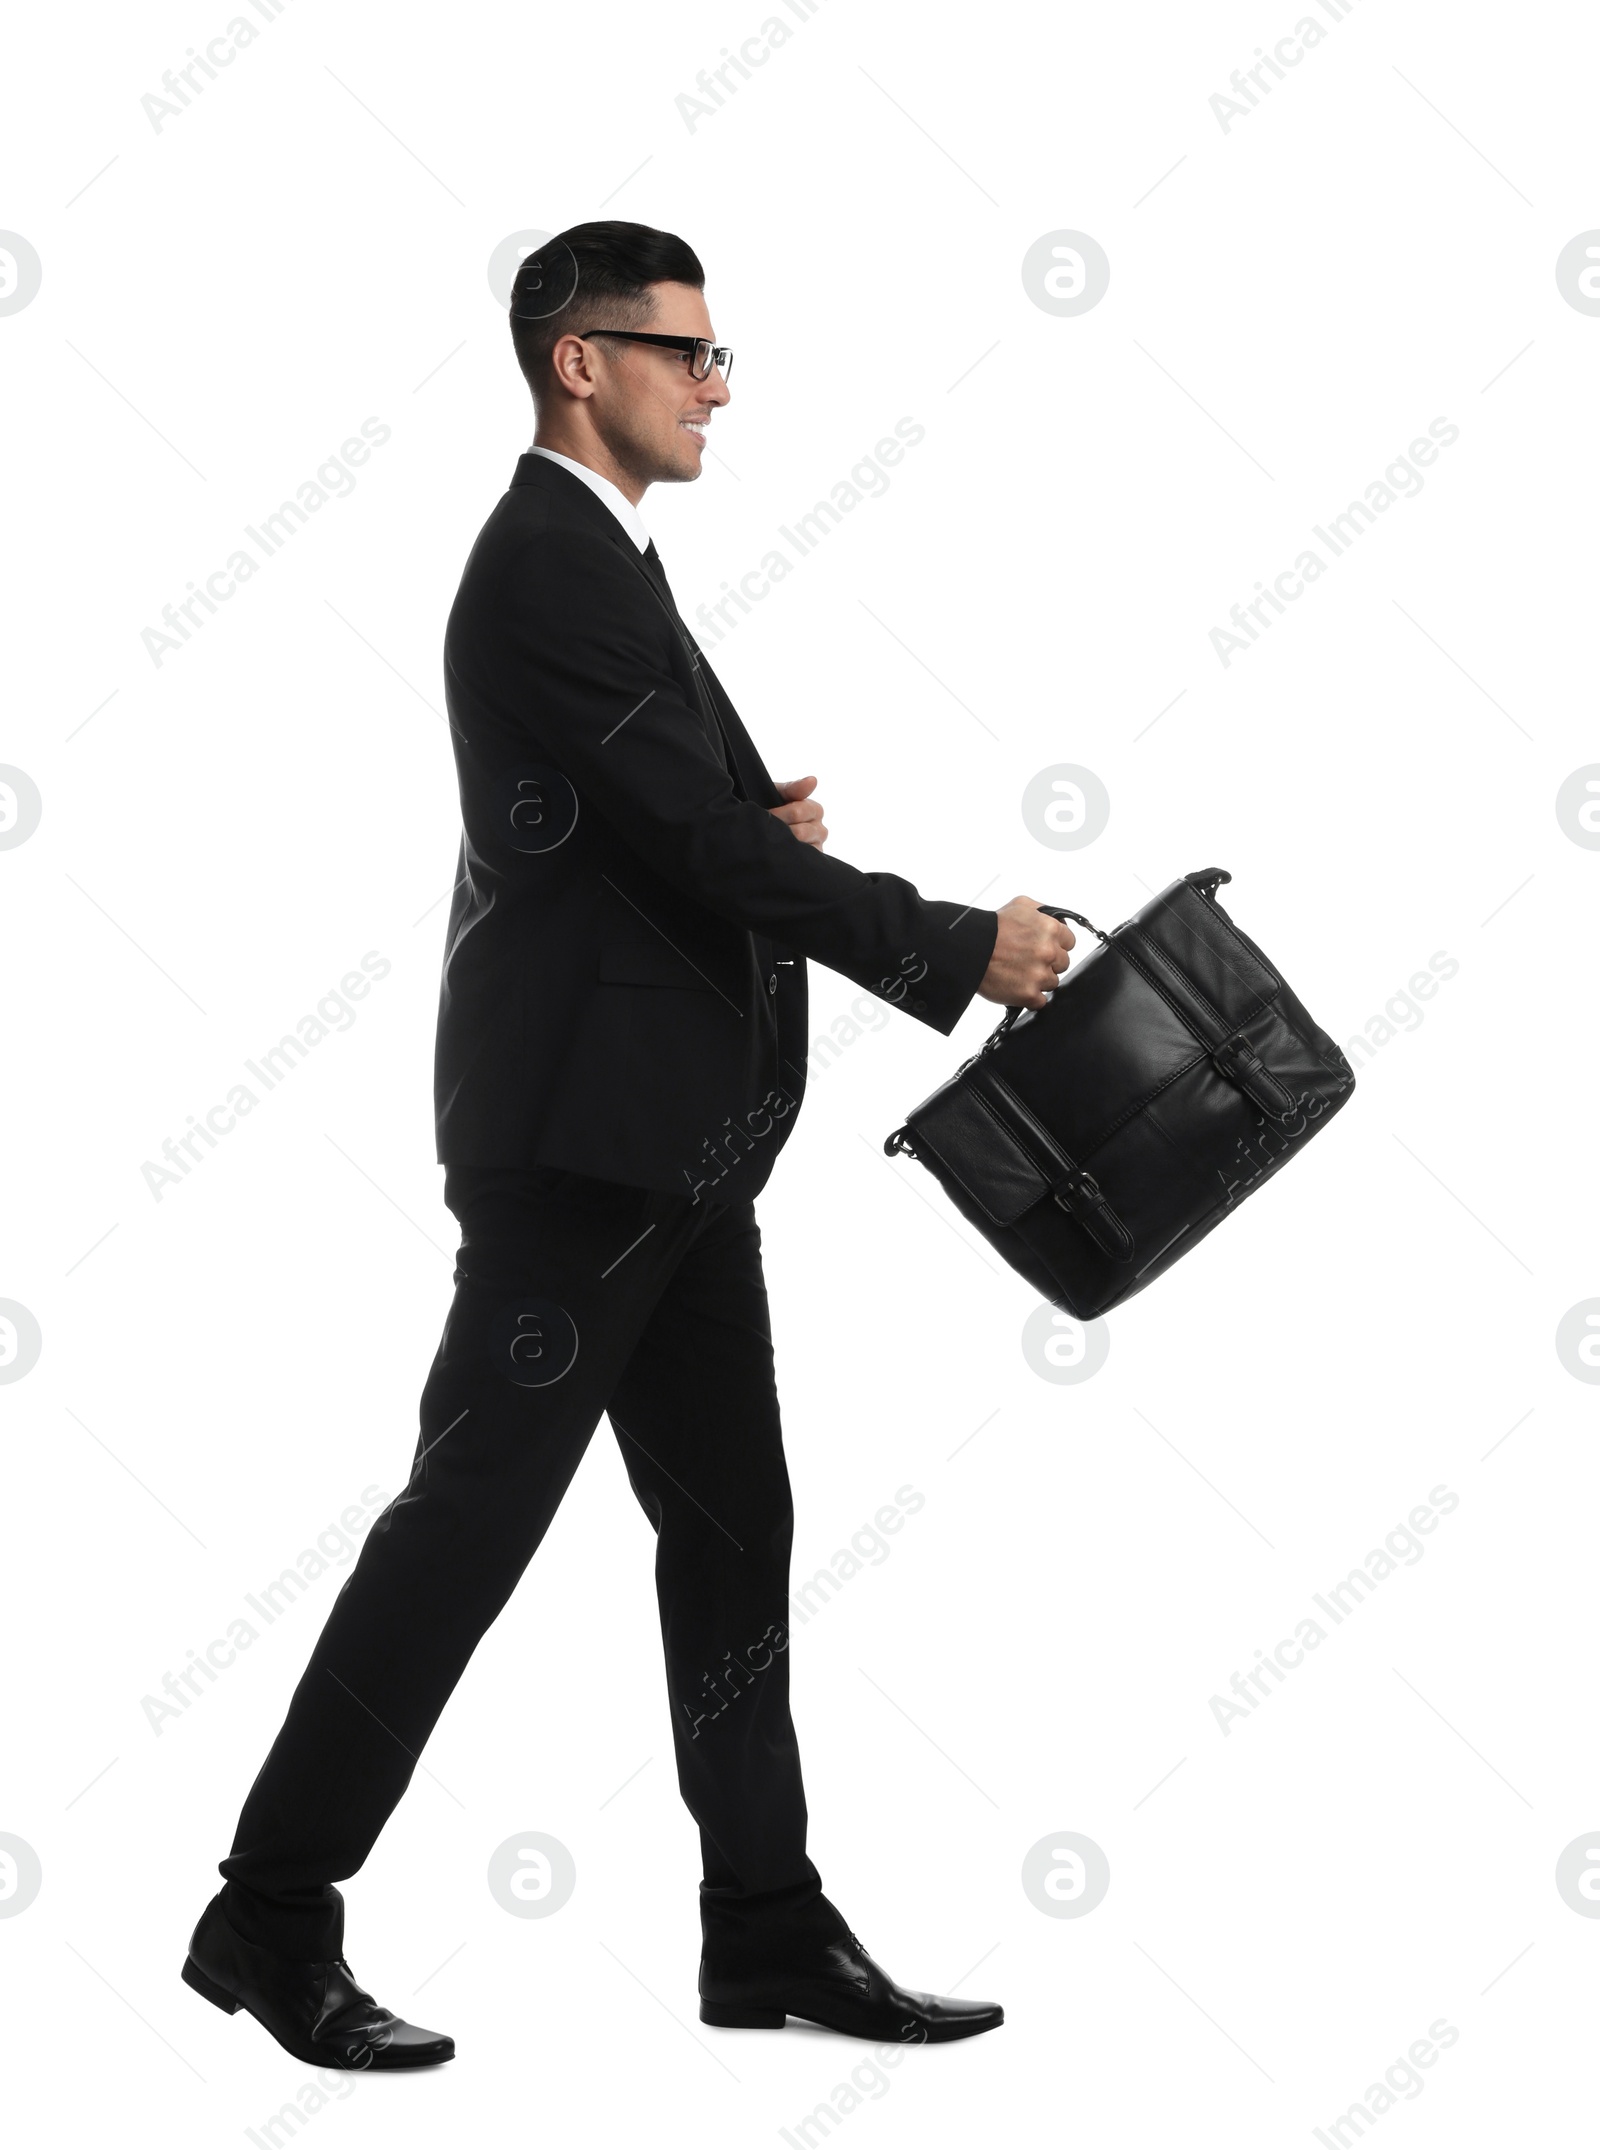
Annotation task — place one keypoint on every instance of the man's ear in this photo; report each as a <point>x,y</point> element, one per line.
<point>569,365</point>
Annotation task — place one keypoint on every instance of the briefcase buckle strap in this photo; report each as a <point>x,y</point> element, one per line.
<point>1074,1190</point>
<point>1079,1195</point>
<point>1237,1060</point>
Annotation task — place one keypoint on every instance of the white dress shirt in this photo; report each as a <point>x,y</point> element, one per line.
<point>607,495</point>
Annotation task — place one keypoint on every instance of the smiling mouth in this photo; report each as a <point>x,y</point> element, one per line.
<point>696,427</point>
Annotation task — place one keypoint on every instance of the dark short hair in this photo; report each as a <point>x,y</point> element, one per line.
<point>615,264</point>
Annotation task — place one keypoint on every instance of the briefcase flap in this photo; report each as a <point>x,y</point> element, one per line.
<point>979,1152</point>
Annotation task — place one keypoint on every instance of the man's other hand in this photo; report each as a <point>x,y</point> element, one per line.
<point>801,811</point>
<point>1030,953</point>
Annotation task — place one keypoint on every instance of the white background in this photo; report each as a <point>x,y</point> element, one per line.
<point>224,835</point>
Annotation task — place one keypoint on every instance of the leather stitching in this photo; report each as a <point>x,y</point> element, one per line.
<point>979,1098</point>
<point>1125,950</point>
<point>1150,949</point>
<point>1114,1225</point>
<point>1260,1008</point>
<point>1246,947</point>
<point>995,1114</point>
<point>1140,1104</point>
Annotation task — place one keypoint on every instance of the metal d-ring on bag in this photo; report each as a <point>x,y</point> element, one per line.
<point>1095,1141</point>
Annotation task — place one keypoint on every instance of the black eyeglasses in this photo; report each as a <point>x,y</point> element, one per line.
<point>700,352</point>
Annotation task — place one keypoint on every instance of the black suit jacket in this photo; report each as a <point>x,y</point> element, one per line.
<point>624,989</point>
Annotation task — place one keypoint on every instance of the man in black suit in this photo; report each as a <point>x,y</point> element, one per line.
<point>621,1055</point>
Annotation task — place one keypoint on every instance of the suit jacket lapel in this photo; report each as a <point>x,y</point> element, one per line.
<point>758,784</point>
<point>720,720</point>
<point>717,714</point>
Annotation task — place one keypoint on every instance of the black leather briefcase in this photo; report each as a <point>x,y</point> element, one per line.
<point>1096,1140</point>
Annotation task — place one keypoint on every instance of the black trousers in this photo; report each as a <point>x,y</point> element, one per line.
<point>574,1297</point>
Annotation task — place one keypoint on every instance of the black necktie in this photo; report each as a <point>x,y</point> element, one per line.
<point>657,573</point>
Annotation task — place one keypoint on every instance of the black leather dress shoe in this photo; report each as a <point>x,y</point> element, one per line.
<point>839,1986</point>
<point>316,2011</point>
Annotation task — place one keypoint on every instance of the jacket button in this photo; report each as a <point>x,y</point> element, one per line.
<point>772,983</point>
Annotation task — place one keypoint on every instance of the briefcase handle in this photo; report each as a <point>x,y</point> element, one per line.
<point>1205,883</point>
<point>1057,910</point>
<point>1054,910</point>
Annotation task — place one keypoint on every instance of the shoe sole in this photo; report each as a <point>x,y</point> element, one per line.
<point>312,2056</point>
<point>743,2019</point>
<point>208,1989</point>
<point>730,2017</point>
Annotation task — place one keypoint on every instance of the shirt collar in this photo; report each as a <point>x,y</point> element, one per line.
<point>606,493</point>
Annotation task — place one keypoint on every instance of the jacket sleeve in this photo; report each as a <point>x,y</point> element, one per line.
<point>590,656</point>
